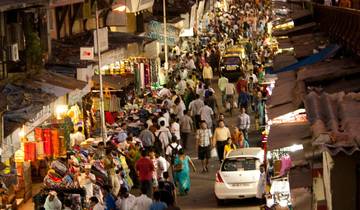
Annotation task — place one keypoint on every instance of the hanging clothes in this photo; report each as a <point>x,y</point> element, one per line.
<point>38,134</point>
<point>30,151</point>
<point>47,142</point>
<point>55,142</point>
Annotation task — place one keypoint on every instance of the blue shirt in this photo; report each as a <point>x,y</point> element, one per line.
<point>110,202</point>
<point>158,205</point>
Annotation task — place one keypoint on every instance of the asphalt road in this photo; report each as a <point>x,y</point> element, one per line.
<point>201,195</point>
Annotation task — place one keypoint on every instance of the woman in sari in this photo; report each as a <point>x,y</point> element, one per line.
<point>182,172</point>
<point>238,138</point>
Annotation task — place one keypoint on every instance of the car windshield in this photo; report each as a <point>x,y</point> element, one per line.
<point>232,61</point>
<point>239,164</point>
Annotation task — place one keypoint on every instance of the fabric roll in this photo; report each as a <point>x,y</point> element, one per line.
<point>47,142</point>
<point>30,151</point>
<point>55,142</point>
<point>38,134</point>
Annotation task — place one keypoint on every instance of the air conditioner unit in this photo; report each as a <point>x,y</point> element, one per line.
<point>14,52</point>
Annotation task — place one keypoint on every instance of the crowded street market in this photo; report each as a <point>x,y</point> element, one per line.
<point>208,104</point>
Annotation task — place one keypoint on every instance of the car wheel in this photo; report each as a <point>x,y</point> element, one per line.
<point>220,202</point>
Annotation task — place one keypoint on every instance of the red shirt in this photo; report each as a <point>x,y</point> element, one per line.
<point>145,167</point>
<point>241,84</point>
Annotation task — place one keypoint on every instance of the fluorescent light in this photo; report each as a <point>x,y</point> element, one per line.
<point>296,147</point>
<point>121,8</point>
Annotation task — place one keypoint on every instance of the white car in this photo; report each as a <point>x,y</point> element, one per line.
<point>239,174</point>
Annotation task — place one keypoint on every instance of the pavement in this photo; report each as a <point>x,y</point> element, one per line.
<point>201,195</point>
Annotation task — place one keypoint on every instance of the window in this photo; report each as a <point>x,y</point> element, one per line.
<point>239,164</point>
<point>232,61</point>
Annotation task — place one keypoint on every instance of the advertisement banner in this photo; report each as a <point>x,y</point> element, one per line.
<point>155,30</point>
<point>103,39</point>
<point>193,16</point>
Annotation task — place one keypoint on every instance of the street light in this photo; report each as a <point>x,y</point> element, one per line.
<point>165,40</point>
<point>102,113</point>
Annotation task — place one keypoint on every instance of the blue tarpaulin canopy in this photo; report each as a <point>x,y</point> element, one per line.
<point>324,54</point>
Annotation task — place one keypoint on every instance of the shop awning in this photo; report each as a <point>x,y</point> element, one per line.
<point>300,176</point>
<point>301,29</point>
<point>325,53</point>
<point>286,96</point>
<point>281,61</point>
<point>287,134</point>
<point>116,82</point>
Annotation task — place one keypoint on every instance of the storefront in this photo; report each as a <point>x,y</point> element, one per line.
<point>42,132</point>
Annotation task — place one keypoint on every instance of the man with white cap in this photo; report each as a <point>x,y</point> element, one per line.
<point>87,180</point>
<point>52,202</point>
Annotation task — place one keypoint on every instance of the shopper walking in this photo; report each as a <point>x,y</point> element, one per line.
<point>221,135</point>
<point>203,144</point>
<point>243,122</point>
<point>182,166</point>
<point>186,127</point>
<point>145,169</point>
<point>207,74</point>
<point>222,82</point>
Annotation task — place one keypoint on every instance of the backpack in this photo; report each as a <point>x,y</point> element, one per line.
<point>174,152</point>
<point>158,147</point>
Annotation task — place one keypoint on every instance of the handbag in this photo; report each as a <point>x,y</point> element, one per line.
<point>178,167</point>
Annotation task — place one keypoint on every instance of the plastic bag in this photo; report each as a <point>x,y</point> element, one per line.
<point>235,105</point>
<point>228,105</point>
<point>213,153</point>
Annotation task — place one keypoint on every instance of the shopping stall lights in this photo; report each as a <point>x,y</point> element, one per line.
<point>120,8</point>
<point>60,111</point>
<point>22,133</point>
<point>295,147</point>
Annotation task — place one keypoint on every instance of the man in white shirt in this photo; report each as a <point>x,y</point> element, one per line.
<point>243,122</point>
<point>194,108</point>
<point>175,127</point>
<point>52,202</point>
<point>87,180</point>
<point>170,149</point>
<point>77,138</point>
<point>179,107</point>
<point>163,166</point>
<point>126,201</point>
<point>165,92</point>
<point>143,202</point>
<point>164,135</point>
<point>180,86</point>
<point>207,114</point>
<point>223,81</point>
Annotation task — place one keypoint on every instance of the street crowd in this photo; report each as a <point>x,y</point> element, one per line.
<point>149,152</point>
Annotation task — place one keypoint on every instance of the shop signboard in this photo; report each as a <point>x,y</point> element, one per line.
<point>103,39</point>
<point>86,53</point>
<point>193,16</point>
<point>200,11</point>
<point>60,3</point>
<point>137,5</point>
<point>155,30</point>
